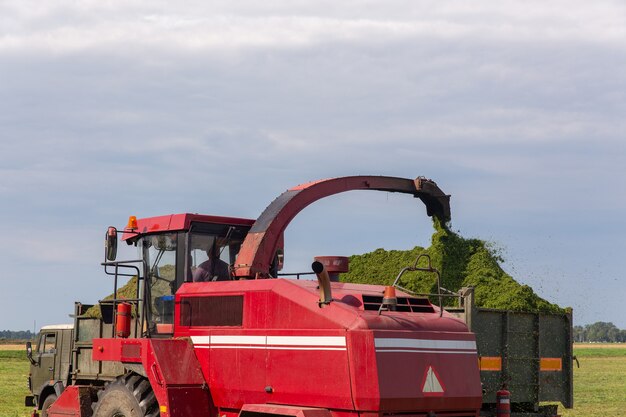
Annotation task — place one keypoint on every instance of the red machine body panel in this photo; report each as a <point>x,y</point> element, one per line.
<point>427,370</point>
<point>285,410</point>
<point>289,350</point>
<point>172,368</point>
<point>75,401</point>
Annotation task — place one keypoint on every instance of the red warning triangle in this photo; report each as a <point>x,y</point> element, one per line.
<point>432,386</point>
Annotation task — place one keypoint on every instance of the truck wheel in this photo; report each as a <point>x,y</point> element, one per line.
<point>47,403</point>
<point>127,396</point>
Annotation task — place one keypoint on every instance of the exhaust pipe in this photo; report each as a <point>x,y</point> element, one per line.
<point>323,279</point>
<point>335,265</point>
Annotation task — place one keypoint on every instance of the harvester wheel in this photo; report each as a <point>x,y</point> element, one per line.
<point>128,396</point>
<point>47,403</point>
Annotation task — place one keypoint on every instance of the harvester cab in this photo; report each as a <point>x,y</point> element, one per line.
<point>172,250</point>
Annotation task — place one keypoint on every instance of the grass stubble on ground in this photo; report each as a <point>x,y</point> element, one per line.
<point>13,382</point>
<point>599,383</point>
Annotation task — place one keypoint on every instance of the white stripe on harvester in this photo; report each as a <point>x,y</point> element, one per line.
<point>458,352</point>
<point>200,340</point>
<point>306,340</point>
<point>238,340</point>
<point>397,345</point>
<point>431,344</point>
<point>270,342</point>
<point>332,343</point>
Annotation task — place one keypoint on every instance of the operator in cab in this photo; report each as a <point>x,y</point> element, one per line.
<point>213,269</point>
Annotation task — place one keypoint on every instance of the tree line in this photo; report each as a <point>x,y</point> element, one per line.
<point>16,335</point>
<point>599,332</point>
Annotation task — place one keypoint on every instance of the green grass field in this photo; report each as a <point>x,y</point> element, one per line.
<point>599,383</point>
<point>13,383</point>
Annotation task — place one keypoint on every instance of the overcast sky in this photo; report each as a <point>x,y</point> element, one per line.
<point>517,109</point>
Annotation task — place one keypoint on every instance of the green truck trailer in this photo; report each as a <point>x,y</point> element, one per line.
<point>530,354</point>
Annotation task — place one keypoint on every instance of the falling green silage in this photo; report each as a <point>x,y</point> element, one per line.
<point>462,263</point>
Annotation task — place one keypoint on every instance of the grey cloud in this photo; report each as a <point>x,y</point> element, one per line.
<point>517,111</point>
<point>67,27</point>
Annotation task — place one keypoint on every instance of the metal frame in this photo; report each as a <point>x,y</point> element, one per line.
<point>430,268</point>
<point>137,300</point>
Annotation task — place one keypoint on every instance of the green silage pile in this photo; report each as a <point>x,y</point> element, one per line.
<point>462,263</point>
<point>128,291</point>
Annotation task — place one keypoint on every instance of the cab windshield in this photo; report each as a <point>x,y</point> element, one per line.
<point>206,253</point>
<point>160,256</point>
<point>212,253</point>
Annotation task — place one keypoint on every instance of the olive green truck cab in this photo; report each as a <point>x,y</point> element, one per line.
<point>61,356</point>
<point>50,359</point>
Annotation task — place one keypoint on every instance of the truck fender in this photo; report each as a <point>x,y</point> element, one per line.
<point>44,390</point>
<point>58,388</point>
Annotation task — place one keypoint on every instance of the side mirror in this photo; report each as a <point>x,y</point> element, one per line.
<point>29,352</point>
<point>110,244</point>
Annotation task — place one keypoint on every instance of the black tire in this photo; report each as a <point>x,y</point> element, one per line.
<point>47,403</point>
<point>128,396</point>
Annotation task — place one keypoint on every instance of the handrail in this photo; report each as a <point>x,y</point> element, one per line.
<point>296,274</point>
<point>430,268</point>
<point>114,301</point>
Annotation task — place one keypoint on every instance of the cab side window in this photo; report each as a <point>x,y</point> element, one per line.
<point>48,343</point>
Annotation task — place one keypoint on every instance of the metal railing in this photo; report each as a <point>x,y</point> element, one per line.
<point>136,302</point>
